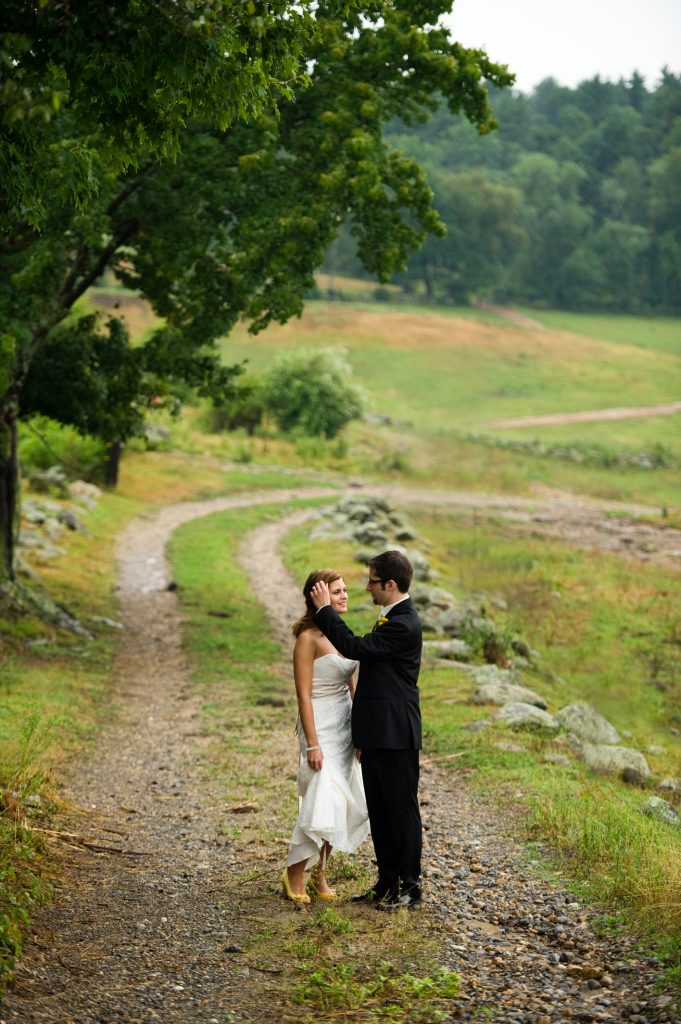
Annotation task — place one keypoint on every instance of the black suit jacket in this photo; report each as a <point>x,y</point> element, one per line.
<point>385,711</point>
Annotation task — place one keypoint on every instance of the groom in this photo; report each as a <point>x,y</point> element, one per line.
<point>386,725</point>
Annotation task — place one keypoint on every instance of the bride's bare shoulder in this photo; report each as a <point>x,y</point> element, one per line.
<point>308,640</point>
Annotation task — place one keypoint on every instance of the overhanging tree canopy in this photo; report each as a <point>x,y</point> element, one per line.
<point>236,222</point>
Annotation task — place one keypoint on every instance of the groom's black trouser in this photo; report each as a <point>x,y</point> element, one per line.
<point>391,779</point>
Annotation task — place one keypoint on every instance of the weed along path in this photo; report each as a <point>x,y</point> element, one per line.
<point>164,916</point>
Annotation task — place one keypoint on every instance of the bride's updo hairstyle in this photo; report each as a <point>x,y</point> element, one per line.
<point>307,621</point>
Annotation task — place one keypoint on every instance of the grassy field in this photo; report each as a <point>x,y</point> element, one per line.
<point>440,378</point>
<point>444,378</point>
<point>662,333</point>
<point>444,372</point>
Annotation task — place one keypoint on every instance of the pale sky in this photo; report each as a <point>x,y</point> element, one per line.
<point>572,40</point>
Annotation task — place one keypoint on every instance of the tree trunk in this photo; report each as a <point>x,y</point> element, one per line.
<point>428,281</point>
<point>9,493</point>
<point>112,463</point>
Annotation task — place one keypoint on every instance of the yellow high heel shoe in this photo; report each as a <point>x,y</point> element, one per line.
<point>296,897</point>
<point>312,883</point>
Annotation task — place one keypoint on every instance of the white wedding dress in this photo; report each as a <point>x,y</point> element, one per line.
<point>331,801</point>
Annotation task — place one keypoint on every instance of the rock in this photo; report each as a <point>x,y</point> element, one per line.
<point>83,489</point>
<point>104,621</point>
<point>372,534</point>
<point>601,757</point>
<point>457,650</point>
<point>505,693</point>
<point>431,619</point>
<point>69,519</point>
<point>632,777</point>
<point>521,648</point>
<point>521,715</point>
<point>478,725</point>
<point>421,566</point>
<point>156,435</point>
<point>582,719</point>
<point>40,545</point>
<point>362,555</point>
<point>484,675</point>
<point>670,785</point>
<point>425,596</point>
<point>48,480</point>
<point>406,533</point>
<point>455,620</point>
<point>656,807</point>
<point>561,759</point>
<point>33,514</point>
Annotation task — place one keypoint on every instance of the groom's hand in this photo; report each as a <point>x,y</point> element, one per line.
<point>320,595</point>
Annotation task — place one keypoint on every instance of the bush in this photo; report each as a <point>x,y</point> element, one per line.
<point>245,409</point>
<point>310,392</point>
<point>44,443</point>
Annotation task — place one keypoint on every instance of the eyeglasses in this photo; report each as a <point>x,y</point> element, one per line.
<point>371,582</point>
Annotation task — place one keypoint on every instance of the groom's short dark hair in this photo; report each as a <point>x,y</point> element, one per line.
<point>393,565</point>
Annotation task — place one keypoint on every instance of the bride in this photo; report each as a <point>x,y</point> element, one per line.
<point>332,810</point>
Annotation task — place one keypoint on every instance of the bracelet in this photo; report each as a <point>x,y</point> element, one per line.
<point>313,748</point>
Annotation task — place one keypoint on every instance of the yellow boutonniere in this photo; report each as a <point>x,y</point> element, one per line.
<point>383,619</point>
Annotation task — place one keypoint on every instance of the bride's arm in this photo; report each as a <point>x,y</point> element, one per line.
<point>303,657</point>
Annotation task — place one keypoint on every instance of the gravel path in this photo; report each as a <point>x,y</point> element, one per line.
<point>151,928</point>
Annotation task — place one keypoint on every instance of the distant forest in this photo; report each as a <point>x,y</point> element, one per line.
<point>573,203</point>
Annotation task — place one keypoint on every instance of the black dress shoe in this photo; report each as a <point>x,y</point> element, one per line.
<point>372,895</point>
<point>409,900</point>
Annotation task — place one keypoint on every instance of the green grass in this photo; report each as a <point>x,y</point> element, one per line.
<point>439,377</point>
<point>662,333</point>
<point>426,370</point>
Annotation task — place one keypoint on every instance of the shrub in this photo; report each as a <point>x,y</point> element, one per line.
<point>309,391</point>
<point>44,443</point>
<point>245,409</point>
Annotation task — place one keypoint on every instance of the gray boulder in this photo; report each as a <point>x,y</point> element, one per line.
<point>425,596</point>
<point>504,693</point>
<point>483,675</point>
<point>421,566</point>
<point>656,807</point>
<point>601,757</point>
<point>581,718</point>
<point>670,785</point>
<point>431,619</point>
<point>69,519</point>
<point>83,489</point>
<point>455,650</point>
<point>52,480</point>
<point>522,715</point>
